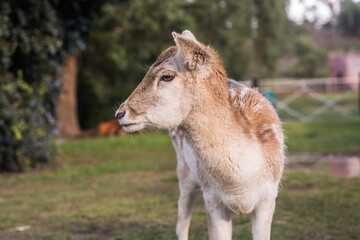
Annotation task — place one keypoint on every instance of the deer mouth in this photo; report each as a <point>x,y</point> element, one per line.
<point>128,125</point>
<point>133,127</point>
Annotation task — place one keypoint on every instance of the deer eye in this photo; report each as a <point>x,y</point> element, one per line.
<point>167,77</point>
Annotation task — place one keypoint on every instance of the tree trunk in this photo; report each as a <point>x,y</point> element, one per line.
<point>66,109</point>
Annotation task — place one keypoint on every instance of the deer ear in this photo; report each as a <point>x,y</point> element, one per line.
<point>194,54</point>
<point>188,35</point>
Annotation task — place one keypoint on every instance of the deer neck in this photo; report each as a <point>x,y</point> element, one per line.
<point>212,122</point>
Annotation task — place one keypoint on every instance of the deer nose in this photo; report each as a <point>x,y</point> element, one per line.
<point>120,115</point>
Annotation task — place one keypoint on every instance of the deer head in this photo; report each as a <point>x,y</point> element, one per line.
<point>173,86</point>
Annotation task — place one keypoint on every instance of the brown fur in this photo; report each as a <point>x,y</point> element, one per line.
<point>251,122</point>
<point>258,123</point>
<point>141,97</point>
<point>169,52</point>
<point>233,141</point>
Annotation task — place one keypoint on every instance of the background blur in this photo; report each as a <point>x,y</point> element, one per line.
<point>69,172</point>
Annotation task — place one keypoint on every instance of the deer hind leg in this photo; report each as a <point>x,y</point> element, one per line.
<point>219,219</point>
<point>261,220</point>
<point>210,225</point>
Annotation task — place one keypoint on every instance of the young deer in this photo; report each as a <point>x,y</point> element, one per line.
<point>228,138</point>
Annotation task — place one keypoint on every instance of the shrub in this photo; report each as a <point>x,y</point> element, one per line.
<point>26,127</point>
<point>312,60</point>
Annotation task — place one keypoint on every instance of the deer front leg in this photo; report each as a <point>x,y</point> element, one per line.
<point>210,225</point>
<point>261,220</point>
<point>189,195</point>
<point>189,188</point>
<point>219,219</point>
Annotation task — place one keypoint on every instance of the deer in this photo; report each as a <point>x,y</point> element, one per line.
<point>227,137</point>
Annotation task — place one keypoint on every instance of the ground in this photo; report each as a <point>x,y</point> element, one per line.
<point>126,188</point>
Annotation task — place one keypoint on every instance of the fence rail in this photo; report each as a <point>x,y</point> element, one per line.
<point>313,99</point>
<point>319,84</point>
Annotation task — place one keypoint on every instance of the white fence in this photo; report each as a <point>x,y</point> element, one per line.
<point>313,99</point>
<point>284,86</point>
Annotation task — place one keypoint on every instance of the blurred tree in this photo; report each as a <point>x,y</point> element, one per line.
<point>30,44</point>
<point>123,42</point>
<point>31,41</point>
<point>226,26</point>
<point>75,18</point>
<point>26,136</point>
<point>129,36</point>
<point>312,60</point>
<point>269,24</point>
<point>35,37</point>
<point>349,18</point>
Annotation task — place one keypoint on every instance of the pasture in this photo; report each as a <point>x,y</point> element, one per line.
<point>126,188</point>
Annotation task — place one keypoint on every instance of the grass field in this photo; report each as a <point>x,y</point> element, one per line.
<point>341,136</point>
<point>126,188</point>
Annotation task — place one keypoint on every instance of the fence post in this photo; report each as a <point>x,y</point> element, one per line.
<point>359,94</point>
<point>255,84</point>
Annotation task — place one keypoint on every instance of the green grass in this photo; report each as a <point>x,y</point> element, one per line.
<point>126,188</point>
<point>324,137</point>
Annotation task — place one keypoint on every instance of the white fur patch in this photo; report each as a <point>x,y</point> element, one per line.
<point>257,107</point>
<point>233,93</point>
<point>277,133</point>
<point>243,93</point>
<point>264,131</point>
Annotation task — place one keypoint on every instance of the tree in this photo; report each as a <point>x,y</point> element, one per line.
<point>66,106</point>
<point>30,54</point>
<point>270,19</point>
<point>35,38</point>
<point>226,26</point>
<point>349,18</point>
<point>75,18</point>
<point>127,38</point>
<point>114,62</point>
<point>312,60</point>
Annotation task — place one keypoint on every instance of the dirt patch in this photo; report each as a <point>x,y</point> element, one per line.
<point>300,189</point>
<point>94,229</point>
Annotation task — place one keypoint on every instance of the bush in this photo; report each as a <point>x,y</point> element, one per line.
<point>312,60</point>
<point>26,127</point>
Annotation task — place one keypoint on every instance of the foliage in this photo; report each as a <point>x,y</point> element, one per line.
<point>31,48</point>
<point>270,22</point>
<point>128,42</point>
<point>226,26</point>
<point>127,38</point>
<point>31,41</point>
<point>312,60</point>
<point>75,19</point>
<point>25,126</point>
<point>34,37</point>
<point>349,18</point>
